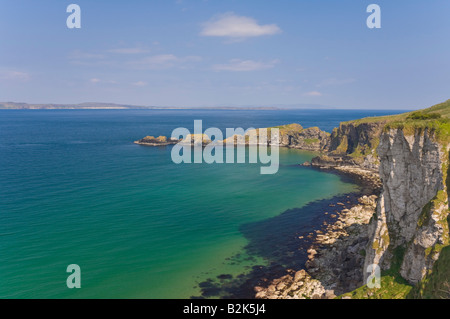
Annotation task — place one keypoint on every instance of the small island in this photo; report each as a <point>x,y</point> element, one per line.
<point>157,141</point>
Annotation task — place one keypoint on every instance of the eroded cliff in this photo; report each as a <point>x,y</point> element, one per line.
<point>411,218</point>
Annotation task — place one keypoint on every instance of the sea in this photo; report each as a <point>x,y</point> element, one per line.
<point>76,190</point>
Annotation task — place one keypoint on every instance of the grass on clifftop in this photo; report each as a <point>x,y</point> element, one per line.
<point>435,119</point>
<point>440,127</point>
<point>443,109</point>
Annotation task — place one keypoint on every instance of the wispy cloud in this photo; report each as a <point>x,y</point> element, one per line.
<point>238,65</point>
<point>12,75</point>
<point>230,25</point>
<point>83,58</point>
<point>80,55</point>
<point>139,83</point>
<point>335,81</point>
<point>136,50</point>
<point>102,81</point>
<point>163,61</point>
<point>313,93</point>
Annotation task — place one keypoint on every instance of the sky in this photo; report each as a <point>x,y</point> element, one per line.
<point>193,53</point>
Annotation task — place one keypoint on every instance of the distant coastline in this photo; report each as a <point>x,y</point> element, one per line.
<point>114,106</point>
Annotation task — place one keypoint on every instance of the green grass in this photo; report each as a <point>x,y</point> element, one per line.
<point>442,109</point>
<point>439,127</point>
<point>393,286</point>
<point>435,119</point>
<point>289,128</point>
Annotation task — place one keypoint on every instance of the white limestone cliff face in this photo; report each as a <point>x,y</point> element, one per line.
<point>411,217</point>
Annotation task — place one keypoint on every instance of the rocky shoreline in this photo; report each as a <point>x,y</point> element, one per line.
<point>336,255</point>
<point>307,261</point>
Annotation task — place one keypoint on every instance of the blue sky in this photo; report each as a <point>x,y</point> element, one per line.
<point>226,52</point>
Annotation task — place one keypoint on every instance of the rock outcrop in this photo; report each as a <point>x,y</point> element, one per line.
<point>353,143</point>
<point>356,137</point>
<point>156,141</point>
<point>368,162</point>
<point>196,139</point>
<point>411,220</point>
<point>291,136</point>
<point>311,139</point>
<point>298,285</point>
<point>191,139</point>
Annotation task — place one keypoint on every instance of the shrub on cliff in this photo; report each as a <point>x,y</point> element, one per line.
<point>423,116</point>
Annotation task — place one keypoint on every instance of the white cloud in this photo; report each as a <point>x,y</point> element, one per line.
<point>139,83</point>
<point>237,27</point>
<point>313,93</point>
<point>163,61</point>
<point>334,81</point>
<point>238,65</point>
<point>12,75</point>
<point>80,55</point>
<point>97,80</point>
<point>128,50</point>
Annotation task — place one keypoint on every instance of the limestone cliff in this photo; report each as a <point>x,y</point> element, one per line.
<point>411,219</point>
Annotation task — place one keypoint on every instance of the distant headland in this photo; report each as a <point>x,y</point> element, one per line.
<point>114,106</point>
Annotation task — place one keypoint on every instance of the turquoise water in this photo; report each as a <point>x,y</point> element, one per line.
<point>76,190</point>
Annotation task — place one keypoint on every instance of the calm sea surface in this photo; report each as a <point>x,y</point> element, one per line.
<point>74,189</point>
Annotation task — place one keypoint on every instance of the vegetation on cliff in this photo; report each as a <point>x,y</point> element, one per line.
<point>361,137</point>
<point>442,109</point>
